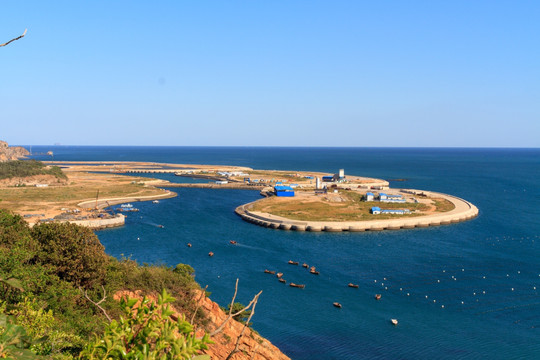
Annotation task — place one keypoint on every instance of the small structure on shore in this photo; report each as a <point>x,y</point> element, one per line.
<point>375,210</point>
<point>283,191</point>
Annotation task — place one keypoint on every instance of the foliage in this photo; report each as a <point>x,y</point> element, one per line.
<point>41,324</point>
<point>75,253</point>
<point>24,168</point>
<point>147,332</point>
<point>51,262</point>
<point>14,342</point>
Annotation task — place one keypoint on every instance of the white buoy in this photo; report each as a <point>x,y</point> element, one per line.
<point>138,238</point>
<point>442,306</point>
<point>462,302</point>
<point>512,289</point>
<point>426,296</point>
<point>483,292</point>
<point>408,294</point>
<point>438,281</point>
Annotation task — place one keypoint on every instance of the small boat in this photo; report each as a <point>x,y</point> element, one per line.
<point>210,254</point>
<point>232,242</point>
<point>279,275</point>
<point>161,226</point>
<point>338,305</point>
<point>293,262</point>
<point>188,244</point>
<point>269,271</point>
<point>301,286</point>
<point>353,285</point>
<point>314,272</point>
<point>155,201</point>
<point>394,321</point>
<point>377,296</point>
<point>305,265</point>
<point>126,206</point>
<point>282,280</point>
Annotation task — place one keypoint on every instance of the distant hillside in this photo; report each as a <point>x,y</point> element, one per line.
<point>26,168</point>
<point>8,153</point>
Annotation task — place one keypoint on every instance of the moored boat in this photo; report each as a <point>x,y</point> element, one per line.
<point>266,271</point>
<point>378,296</point>
<point>293,262</point>
<point>301,286</point>
<point>338,305</point>
<point>353,285</point>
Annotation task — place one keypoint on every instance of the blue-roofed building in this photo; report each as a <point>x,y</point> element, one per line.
<point>383,197</point>
<point>370,196</point>
<point>328,178</point>
<point>375,210</point>
<point>284,191</point>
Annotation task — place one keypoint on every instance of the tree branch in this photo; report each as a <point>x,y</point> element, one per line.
<point>255,299</point>
<point>99,302</point>
<point>17,38</point>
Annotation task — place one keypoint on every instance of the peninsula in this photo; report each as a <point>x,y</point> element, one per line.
<point>292,200</point>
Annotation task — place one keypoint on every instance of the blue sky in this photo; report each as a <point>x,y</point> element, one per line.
<point>271,73</point>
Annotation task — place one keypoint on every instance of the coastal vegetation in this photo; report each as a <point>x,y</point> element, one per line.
<point>25,168</point>
<point>52,278</point>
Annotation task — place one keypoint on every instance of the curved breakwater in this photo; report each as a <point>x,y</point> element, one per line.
<point>463,210</point>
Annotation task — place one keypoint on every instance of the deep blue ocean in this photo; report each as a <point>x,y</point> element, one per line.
<point>463,291</point>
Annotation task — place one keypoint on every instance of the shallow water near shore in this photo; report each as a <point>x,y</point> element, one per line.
<point>468,291</point>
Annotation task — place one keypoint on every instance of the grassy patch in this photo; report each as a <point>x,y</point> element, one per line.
<point>345,206</point>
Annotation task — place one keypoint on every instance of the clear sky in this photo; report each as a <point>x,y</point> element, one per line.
<point>271,73</point>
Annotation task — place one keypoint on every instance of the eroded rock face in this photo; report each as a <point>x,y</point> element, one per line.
<point>251,346</point>
<point>8,153</point>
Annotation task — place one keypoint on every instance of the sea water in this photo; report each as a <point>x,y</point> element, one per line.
<point>467,290</point>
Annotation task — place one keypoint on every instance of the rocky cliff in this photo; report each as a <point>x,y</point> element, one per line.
<point>8,153</point>
<point>251,346</point>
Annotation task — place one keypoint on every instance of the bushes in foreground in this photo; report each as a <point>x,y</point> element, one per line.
<point>64,270</point>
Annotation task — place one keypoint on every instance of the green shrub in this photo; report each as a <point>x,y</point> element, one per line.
<point>147,332</point>
<point>74,253</point>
